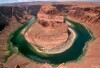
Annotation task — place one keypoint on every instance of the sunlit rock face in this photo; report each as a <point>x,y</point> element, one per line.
<point>50,29</point>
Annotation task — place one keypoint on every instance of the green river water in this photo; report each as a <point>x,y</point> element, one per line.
<point>17,43</point>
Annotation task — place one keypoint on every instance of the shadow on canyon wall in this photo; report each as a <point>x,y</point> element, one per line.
<point>25,12</point>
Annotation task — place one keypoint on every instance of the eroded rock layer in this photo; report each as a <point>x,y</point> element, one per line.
<point>50,30</point>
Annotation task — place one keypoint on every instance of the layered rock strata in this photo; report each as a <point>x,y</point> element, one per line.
<point>85,14</point>
<point>50,29</point>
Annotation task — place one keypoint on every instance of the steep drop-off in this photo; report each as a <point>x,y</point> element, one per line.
<point>11,17</point>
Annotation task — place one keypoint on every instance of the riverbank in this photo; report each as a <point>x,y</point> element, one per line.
<point>91,58</point>
<point>74,48</point>
<point>39,65</point>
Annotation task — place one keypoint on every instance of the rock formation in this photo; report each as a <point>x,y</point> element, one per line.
<point>86,14</point>
<point>6,14</point>
<point>50,30</point>
<point>25,12</point>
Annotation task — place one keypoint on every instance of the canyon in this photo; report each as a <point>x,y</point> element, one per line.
<point>25,12</point>
<point>50,30</point>
<point>12,17</point>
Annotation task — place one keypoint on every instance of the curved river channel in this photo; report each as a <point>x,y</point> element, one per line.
<point>17,43</point>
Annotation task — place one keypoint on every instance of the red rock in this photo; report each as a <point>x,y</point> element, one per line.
<point>85,14</point>
<point>50,30</point>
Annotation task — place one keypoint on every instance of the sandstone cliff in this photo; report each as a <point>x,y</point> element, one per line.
<point>22,13</point>
<point>86,14</point>
<point>5,16</point>
<point>26,11</point>
<point>50,30</point>
<point>13,19</point>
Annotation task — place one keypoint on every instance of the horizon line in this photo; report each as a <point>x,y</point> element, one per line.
<point>48,1</point>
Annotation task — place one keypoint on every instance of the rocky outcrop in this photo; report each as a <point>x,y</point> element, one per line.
<point>5,16</point>
<point>50,30</point>
<point>86,14</point>
<point>24,13</point>
<point>50,17</point>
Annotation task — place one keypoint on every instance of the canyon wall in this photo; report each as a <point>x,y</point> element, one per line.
<point>86,14</point>
<point>13,16</point>
<point>25,12</point>
<point>5,16</point>
<point>21,13</point>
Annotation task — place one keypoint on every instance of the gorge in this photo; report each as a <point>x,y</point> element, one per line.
<point>20,23</point>
<point>39,50</point>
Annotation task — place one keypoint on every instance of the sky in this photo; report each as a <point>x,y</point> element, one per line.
<point>12,1</point>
